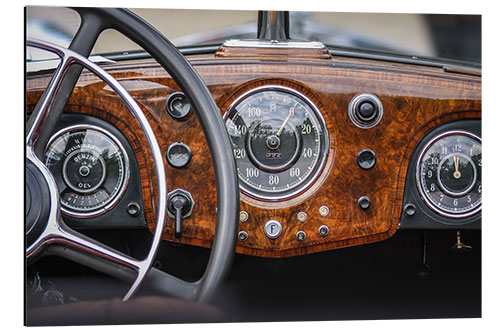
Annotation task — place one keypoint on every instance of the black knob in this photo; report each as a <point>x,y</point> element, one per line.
<point>366,111</point>
<point>364,202</point>
<point>366,159</point>
<point>178,106</point>
<point>243,236</point>
<point>410,209</point>
<point>301,236</point>
<point>133,209</point>
<point>178,154</point>
<point>323,230</point>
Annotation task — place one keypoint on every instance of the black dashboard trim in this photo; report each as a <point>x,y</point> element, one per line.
<point>424,217</point>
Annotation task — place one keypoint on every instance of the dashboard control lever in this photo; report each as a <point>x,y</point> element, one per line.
<point>459,246</point>
<point>180,204</point>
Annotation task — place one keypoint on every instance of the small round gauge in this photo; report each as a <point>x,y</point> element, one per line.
<point>90,167</point>
<point>279,141</point>
<point>449,174</point>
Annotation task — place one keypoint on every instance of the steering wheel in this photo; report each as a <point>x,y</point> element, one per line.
<point>46,232</point>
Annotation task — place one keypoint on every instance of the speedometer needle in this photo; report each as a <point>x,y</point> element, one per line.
<point>286,119</point>
<point>456,161</point>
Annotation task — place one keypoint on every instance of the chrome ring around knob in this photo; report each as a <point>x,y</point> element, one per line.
<point>357,101</point>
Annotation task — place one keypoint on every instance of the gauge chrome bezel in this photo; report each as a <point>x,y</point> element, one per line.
<point>126,175</point>
<point>321,160</point>
<point>417,175</point>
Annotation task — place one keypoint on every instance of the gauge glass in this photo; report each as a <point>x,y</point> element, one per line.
<point>90,167</point>
<point>449,174</point>
<point>279,141</point>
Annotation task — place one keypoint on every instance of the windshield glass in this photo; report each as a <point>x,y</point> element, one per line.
<point>454,37</point>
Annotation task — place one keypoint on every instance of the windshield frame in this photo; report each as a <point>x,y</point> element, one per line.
<point>335,50</point>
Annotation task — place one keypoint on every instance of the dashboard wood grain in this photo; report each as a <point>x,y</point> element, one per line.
<point>415,99</point>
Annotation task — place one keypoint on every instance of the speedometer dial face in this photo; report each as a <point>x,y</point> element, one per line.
<point>449,174</point>
<point>90,167</point>
<point>279,141</point>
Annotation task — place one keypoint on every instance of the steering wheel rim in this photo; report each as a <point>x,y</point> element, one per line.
<point>94,21</point>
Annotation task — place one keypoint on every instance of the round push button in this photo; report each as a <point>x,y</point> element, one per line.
<point>178,154</point>
<point>364,202</point>
<point>133,209</point>
<point>366,111</point>
<point>410,209</point>
<point>301,216</point>
<point>243,216</point>
<point>178,105</point>
<point>301,236</point>
<point>242,236</point>
<point>273,229</point>
<point>323,230</point>
<point>366,159</point>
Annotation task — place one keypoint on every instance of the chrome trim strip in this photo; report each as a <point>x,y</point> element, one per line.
<point>417,174</point>
<point>68,58</point>
<point>405,59</point>
<point>446,64</point>
<point>289,44</point>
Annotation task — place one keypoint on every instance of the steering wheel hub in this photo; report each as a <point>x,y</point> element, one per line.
<point>37,211</point>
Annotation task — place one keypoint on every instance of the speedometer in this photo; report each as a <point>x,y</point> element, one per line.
<point>279,141</point>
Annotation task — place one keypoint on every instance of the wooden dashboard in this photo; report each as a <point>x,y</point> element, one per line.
<point>415,99</point>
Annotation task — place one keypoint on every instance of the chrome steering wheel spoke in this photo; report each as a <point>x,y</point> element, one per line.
<point>60,233</point>
<point>41,112</point>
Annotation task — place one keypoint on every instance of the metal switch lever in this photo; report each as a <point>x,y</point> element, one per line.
<point>460,246</point>
<point>179,205</point>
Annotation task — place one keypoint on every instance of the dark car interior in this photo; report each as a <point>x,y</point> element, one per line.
<point>260,179</point>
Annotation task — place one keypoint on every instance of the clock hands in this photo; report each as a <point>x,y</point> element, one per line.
<point>456,161</point>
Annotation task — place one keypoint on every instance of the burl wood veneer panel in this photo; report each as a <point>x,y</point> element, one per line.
<point>415,99</point>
